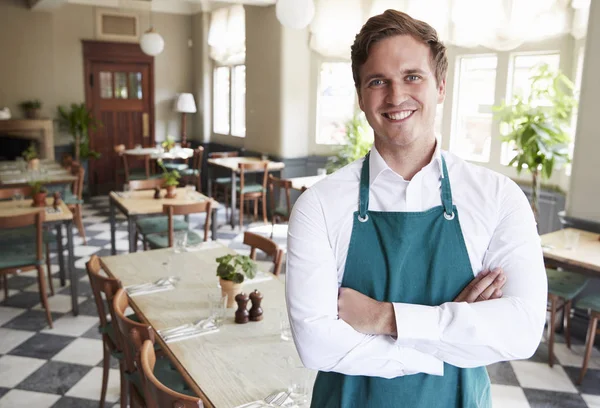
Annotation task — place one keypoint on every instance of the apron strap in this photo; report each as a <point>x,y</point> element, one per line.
<point>446,191</point>
<point>363,199</point>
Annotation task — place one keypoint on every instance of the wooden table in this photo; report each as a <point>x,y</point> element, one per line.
<point>137,204</point>
<point>63,217</point>
<point>300,183</point>
<point>240,363</point>
<point>584,258</point>
<point>232,164</point>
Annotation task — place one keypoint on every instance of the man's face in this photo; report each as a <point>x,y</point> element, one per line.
<point>398,91</point>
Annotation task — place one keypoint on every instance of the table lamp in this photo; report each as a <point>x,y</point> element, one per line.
<point>184,104</point>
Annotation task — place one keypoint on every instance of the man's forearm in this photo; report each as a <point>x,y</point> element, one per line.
<point>386,320</point>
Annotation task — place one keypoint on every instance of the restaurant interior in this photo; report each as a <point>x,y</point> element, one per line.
<point>151,152</point>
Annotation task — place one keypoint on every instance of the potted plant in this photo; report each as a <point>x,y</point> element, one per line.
<point>32,108</point>
<point>171,178</point>
<point>168,144</point>
<point>538,126</point>
<point>31,156</point>
<point>358,142</point>
<point>38,193</point>
<point>232,271</point>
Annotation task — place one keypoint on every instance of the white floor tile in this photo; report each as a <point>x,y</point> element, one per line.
<point>574,356</point>
<point>540,376</point>
<point>85,250</point>
<point>20,398</point>
<point>121,245</point>
<point>80,263</point>
<point>593,401</point>
<point>507,396</point>
<point>106,235</point>
<point>102,226</point>
<point>89,386</point>
<point>9,313</point>
<point>11,292</point>
<point>81,351</point>
<point>59,303</point>
<point>15,369</point>
<point>10,338</point>
<point>74,326</point>
<point>96,219</point>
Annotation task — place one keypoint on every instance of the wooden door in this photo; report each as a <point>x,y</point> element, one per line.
<point>120,94</point>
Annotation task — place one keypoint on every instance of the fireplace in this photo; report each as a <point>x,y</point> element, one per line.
<point>12,147</point>
<point>40,131</point>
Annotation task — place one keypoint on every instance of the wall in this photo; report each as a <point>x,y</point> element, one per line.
<point>584,194</point>
<point>42,58</point>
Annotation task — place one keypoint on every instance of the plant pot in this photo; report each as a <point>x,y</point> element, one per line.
<point>32,113</point>
<point>231,289</point>
<point>33,164</point>
<point>171,192</point>
<point>39,200</point>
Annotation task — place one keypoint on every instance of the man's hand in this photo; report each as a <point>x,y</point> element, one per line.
<point>487,285</point>
<point>366,315</point>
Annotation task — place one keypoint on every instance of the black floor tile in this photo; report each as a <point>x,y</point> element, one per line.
<point>16,282</point>
<point>541,354</point>
<point>551,399</point>
<point>88,308</point>
<point>83,289</point>
<point>54,377</point>
<point>70,402</point>
<point>31,320</point>
<point>24,300</point>
<point>42,345</point>
<point>3,391</point>
<point>92,333</point>
<point>590,383</point>
<point>502,373</point>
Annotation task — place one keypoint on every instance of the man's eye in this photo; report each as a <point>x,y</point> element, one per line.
<point>412,78</point>
<point>376,82</point>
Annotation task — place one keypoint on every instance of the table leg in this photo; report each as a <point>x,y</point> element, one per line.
<point>61,255</point>
<point>113,227</point>
<point>72,271</point>
<point>233,198</point>
<point>131,232</point>
<point>208,181</point>
<point>213,223</point>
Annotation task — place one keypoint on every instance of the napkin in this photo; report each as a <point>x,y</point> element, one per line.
<point>191,334</point>
<point>150,289</point>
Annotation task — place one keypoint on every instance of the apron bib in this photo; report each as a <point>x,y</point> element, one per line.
<point>408,257</point>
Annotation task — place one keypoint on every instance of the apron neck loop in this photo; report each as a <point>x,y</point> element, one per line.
<point>363,200</point>
<point>446,191</point>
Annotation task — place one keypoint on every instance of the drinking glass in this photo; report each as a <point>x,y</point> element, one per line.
<point>190,189</point>
<point>571,238</point>
<point>300,381</point>
<point>180,238</point>
<point>321,172</point>
<point>218,306</point>
<point>18,197</point>
<point>286,329</point>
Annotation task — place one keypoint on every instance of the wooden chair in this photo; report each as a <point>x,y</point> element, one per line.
<point>27,254</point>
<point>222,184</point>
<point>563,286</point>
<point>279,213</point>
<point>148,184</point>
<point>119,149</point>
<point>156,241</point>
<point>74,199</point>
<point>112,344</point>
<point>157,394</point>
<point>592,303</point>
<point>253,191</point>
<point>266,245</point>
<point>196,170</point>
<point>136,173</point>
<point>133,335</point>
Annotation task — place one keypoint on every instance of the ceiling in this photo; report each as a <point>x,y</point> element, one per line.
<point>165,6</point>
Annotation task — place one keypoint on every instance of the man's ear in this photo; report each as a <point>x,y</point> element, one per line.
<point>441,91</point>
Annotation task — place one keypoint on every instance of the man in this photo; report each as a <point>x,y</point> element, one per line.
<point>410,270</point>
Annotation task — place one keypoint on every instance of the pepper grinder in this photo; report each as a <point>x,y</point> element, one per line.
<point>157,192</point>
<point>241,314</point>
<point>256,312</point>
<point>56,202</point>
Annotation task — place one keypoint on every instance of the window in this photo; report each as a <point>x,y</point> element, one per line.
<point>229,100</point>
<point>475,92</point>
<point>336,101</point>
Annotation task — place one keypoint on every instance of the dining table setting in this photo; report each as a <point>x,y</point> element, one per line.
<point>228,361</point>
<point>18,173</point>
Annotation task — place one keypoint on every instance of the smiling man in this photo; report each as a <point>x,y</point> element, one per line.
<point>411,269</point>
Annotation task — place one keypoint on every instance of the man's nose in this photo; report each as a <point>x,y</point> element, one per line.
<point>396,94</point>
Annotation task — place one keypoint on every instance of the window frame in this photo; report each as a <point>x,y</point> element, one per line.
<point>231,69</point>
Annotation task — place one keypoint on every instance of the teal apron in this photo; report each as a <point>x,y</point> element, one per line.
<point>408,257</point>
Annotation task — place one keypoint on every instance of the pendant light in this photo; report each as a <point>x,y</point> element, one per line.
<point>296,14</point>
<point>152,42</point>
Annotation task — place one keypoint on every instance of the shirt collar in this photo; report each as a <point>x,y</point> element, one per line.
<point>377,165</point>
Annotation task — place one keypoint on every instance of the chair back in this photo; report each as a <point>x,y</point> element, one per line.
<point>185,209</point>
<point>198,154</point>
<point>157,394</point>
<point>150,184</point>
<point>286,185</point>
<point>266,245</point>
<point>78,170</point>
<point>67,160</point>
<point>109,287</point>
<point>221,155</point>
<point>36,219</point>
<point>119,149</point>
<point>254,166</point>
<point>127,157</point>
<point>9,192</point>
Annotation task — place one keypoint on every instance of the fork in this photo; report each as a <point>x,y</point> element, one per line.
<point>277,399</point>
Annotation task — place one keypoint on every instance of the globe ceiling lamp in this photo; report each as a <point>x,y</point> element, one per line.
<point>296,14</point>
<point>152,42</point>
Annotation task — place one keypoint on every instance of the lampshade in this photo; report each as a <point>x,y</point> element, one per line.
<point>152,42</point>
<point>185,103</point>
<point>296,14</point>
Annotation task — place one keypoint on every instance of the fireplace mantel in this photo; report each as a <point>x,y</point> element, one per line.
<point>41,130</point>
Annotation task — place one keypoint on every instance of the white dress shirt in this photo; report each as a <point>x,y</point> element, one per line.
<point>499,230</point>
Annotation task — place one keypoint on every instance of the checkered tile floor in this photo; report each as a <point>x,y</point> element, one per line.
<point>61,367</point>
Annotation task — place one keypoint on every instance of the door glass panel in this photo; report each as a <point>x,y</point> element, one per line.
<point>121,85</point>
<point>135,85</point>
<point>106,89</point>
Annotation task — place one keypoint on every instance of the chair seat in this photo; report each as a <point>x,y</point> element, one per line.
<point>281,211</point>
<point>222,180</point>
<point>19,254</point>
<point>565,284</point>
<point>157,241</point>
<point>71,199</point>
<point>190,172</point>
<point>251,188</point>
<point>589,302</point>
<point>24,235</point>
<point>141,175</point>
<point>176,166</point>
<point>157,225</point>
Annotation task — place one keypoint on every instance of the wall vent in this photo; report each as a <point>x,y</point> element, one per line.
<point>117,26</point>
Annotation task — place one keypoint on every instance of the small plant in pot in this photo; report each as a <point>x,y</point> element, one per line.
<point>31,109</point>
<point>171,179</point>
<point>31,156</point>
<point>168,144</point>
<point>38,193</point>
<point>232,271</point>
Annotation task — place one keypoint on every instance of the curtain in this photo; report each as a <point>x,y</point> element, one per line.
<point>227,35</point>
